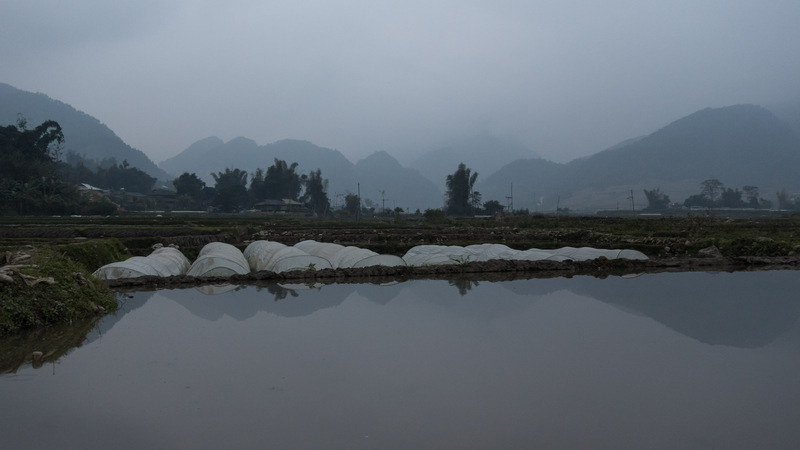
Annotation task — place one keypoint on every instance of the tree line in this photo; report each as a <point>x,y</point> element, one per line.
<point>34,180</point>
<point>232,192</point>
<point>714,194</point>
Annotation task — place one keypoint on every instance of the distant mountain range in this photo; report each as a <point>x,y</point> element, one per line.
<point>739,145</point>
<point>83,134</point>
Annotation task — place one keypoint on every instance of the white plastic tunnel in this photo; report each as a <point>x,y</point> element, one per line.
<point>162,262</point>
<point>422,255</point>
<point>348,256</point>
<point>219,259</point>
<point>277,257</point>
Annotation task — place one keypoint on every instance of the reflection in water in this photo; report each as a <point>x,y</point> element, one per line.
<point>463,286</point>
<point>281,292</point>
<point>43,345</point>
<point>658,361</point>
<point>745,310</point>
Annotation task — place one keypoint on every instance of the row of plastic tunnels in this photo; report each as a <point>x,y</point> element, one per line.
<point>221,259</point>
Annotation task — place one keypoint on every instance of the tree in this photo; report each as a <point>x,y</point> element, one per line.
<point>656,200</point>
<point>731,198</point>
<point>124,177</point>
<point>280,181</point>
<point>458,198</point>
<point>315,195</point>
<point>751,196</point>
<point>190,190</point>
<point>784,199</point>
<point>27,154</point>
<point>711,188</point>
<point>698,201</point>
<point>231,189</point>
<point>476,201</point>
<point>493,207</point>
<point>32,177</point>
<point>352,204</point>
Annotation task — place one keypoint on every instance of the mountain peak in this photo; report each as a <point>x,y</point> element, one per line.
<point>378,159</point>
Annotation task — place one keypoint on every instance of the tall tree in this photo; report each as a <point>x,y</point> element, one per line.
<point>784,199</point>
<point>26,154</point>
<point>279,181</point>
<point>751,196</point>
<point>190,190</point>
<point>711,188</point>
<point>459,195</point>
<point>30,173</point>
<point>352,204</point>
<point>656,200</point>
<point>315,195</point>
<point>231,189</point>
<point>731,198</point>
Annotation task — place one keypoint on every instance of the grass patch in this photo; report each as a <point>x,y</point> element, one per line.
<point>68,293</point>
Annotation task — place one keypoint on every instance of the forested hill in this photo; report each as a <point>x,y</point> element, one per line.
<point>738,145</point>
<point>83,134</point>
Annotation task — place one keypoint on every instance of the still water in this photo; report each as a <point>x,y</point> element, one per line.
<point>688,360</point>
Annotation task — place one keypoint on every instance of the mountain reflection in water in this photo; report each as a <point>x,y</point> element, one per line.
<point>684,360</point>
<point>734,309</point>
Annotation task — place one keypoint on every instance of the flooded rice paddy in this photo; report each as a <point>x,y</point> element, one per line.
<point>671,360</point>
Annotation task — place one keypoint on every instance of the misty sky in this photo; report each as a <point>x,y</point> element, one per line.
<point>566,78</point>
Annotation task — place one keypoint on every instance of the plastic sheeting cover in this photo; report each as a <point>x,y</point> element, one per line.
<point>162,262</point>
<point>219,259</point>
<point>277,257</point>
<point>259,253</point>
<point>350,256</point>
<point>422,255</point>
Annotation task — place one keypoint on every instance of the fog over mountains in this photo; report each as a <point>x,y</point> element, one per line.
<point>739,145</point>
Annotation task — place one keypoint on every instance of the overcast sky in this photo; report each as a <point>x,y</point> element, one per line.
<point>566,78</point>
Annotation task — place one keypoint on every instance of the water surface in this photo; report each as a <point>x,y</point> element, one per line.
<point>690,360</point>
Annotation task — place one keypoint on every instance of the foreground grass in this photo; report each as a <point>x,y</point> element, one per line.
<point>48,285</point>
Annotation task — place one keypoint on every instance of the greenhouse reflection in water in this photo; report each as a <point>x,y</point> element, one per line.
<point>690,360</point>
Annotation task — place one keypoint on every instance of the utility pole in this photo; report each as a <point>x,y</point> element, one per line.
<point>510,200</point>
<point>358,213</point>
<point>383,201</point>
<point>633,208</point>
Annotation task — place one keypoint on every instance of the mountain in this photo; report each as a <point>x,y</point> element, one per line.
<point>529,182</point>
<point>738,145</point>
<point>83,134</point>
<point>378,172</point>
<point>484,154</point>
<point>390,185</point>
<point>789,112</point>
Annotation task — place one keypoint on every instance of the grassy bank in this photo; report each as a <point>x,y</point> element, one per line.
<point>44,285</point>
